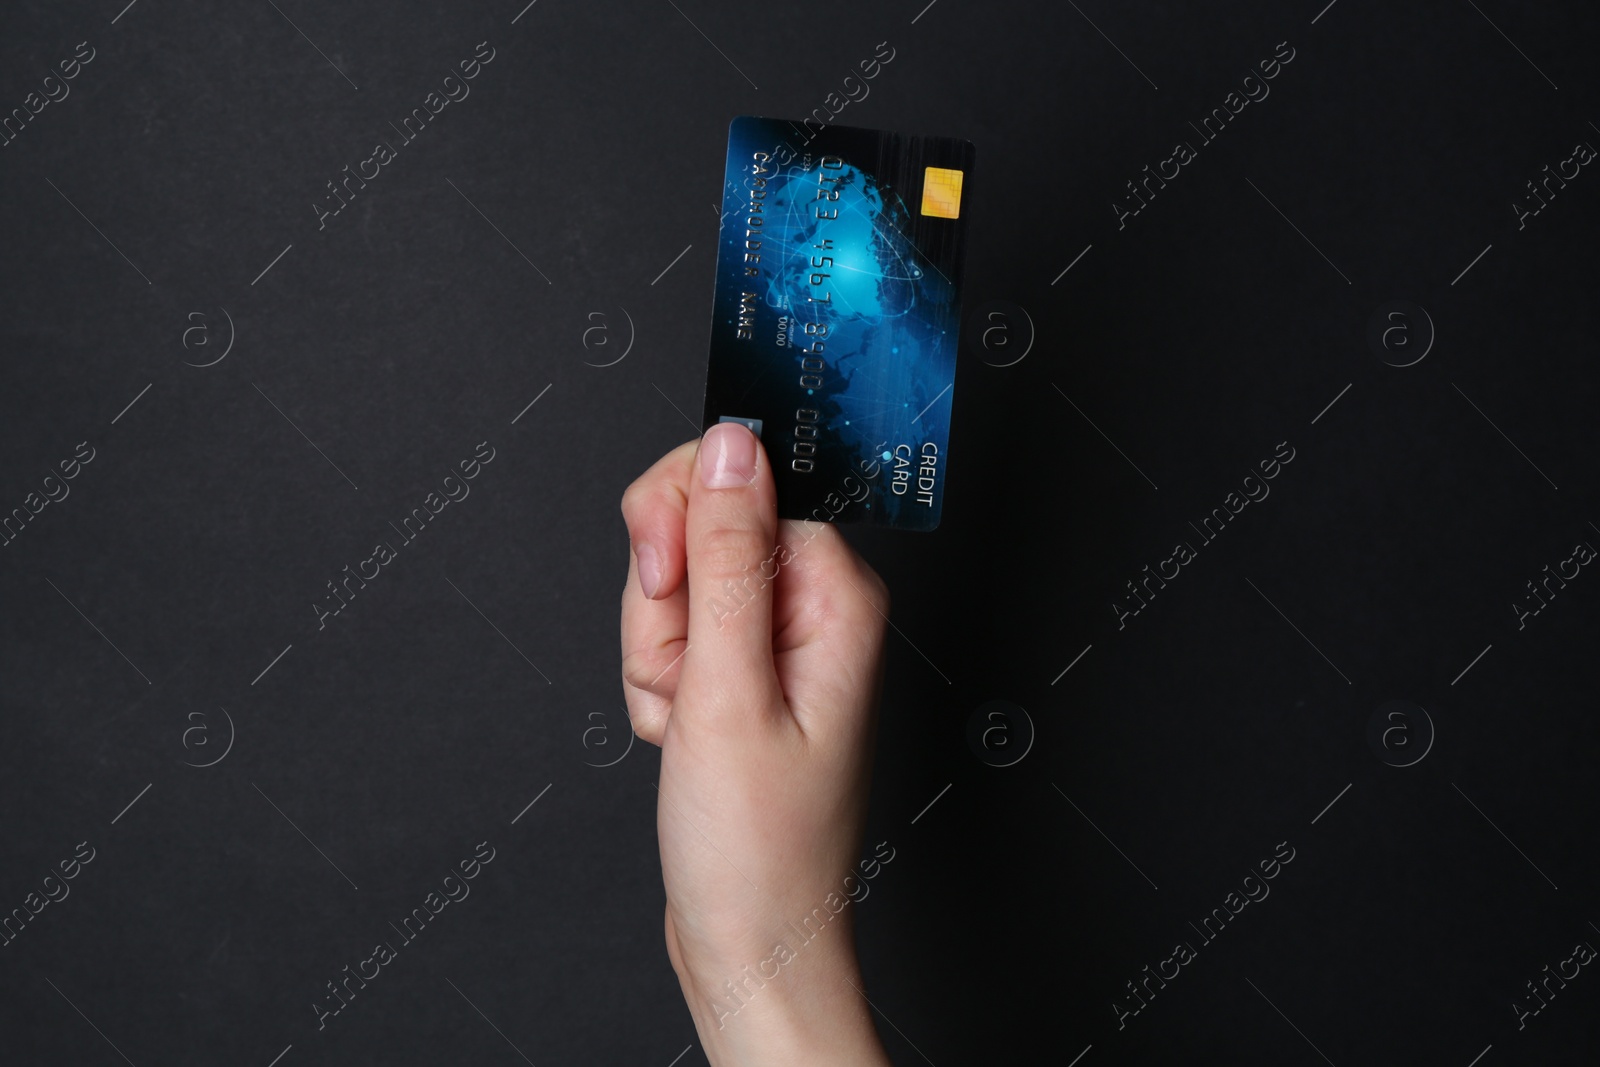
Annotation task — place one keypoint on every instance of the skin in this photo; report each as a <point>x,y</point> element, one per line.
<point>762,697</point>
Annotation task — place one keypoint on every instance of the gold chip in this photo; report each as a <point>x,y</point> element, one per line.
<point>941,193</point>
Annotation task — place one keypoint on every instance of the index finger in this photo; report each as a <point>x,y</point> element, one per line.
<point>654,507</point>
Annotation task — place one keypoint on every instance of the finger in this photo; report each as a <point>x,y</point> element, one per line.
<point>830,624</point>
<point>654,635</point>
<point>655,607</point>
<point>828,586</point>
<point>731,529</point>
<point>653,507</point>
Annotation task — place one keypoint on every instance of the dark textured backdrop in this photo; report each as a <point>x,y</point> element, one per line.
<point>161,608</point>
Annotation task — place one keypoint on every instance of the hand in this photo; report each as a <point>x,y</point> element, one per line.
<point>752,655</point>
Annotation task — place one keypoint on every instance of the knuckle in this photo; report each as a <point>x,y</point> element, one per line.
<point>652,505</point>
<point>875,587</point>
<point>647,726</point>
<point>633,499</point>
<point>647,718</point>
<point>639,670</point>
<point>728,551</point>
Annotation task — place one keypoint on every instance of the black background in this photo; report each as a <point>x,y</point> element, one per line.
<point>1220,721</point>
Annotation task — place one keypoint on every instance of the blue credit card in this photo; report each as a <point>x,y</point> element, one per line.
<point>836,317</point>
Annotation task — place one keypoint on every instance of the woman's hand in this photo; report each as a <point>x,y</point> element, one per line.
<point>752,652</point>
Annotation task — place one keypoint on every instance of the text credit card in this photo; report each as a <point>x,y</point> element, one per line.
<point>836,317</point>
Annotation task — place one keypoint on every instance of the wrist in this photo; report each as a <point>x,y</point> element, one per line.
<point>798,1005</point>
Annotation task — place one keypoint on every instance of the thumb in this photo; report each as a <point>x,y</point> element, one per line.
<point>730,531</point>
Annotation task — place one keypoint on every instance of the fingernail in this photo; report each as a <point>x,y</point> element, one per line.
<point>649,569</point>
<point>727,456</point>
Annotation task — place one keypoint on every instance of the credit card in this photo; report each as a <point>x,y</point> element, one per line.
<point>837,312</point>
